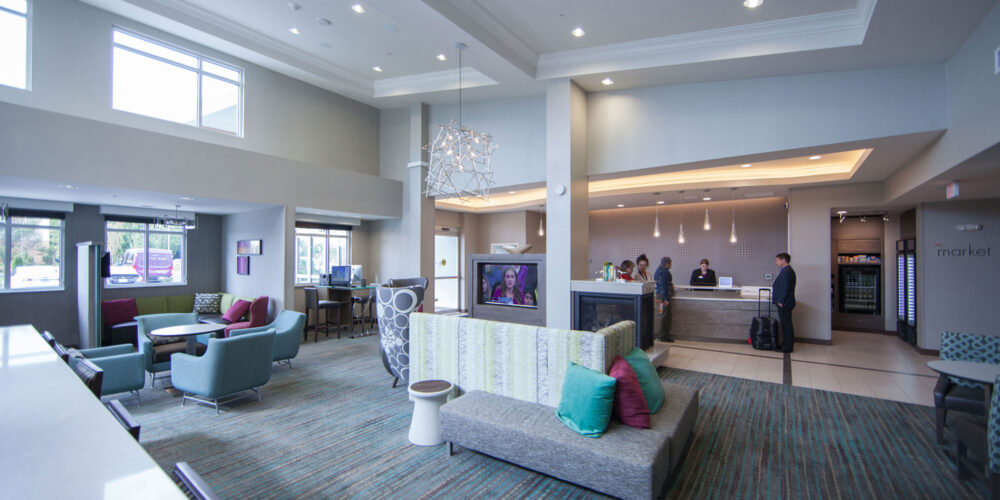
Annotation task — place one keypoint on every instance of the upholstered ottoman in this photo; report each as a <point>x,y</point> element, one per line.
<point>625,462</point>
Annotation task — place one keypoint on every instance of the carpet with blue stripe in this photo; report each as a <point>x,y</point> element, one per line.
<point>332,427</point>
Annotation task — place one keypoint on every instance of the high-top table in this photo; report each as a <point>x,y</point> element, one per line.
<point>59,441</point>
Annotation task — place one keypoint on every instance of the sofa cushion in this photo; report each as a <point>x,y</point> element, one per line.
<point>236,311</point>
<point>630,405</point>
<point>151,305</point>
<point>258,311</point>
<point>226,301</point>
<point>207,303</point>
<point>215,319</point>
<point>652,389</point>
<point>625,462</point>
<point>118,311</point>
<point>586,401</point>
<point>180,303</point>
<point>162,352</point>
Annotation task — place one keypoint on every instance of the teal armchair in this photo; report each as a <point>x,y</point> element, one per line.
<point>288,327</point>
<point>124,368</point>
<point>228,367</point>
<point>158,357</point>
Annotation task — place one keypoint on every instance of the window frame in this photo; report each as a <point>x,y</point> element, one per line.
<point>27,15</point>
<point>149,227</point>
<point>199,71</point>
<point>7,264</point>
<point>327,237</point>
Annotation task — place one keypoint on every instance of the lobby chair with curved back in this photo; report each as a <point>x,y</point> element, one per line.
<point>315,304</point>
<point>124,368</point>
<point>394,308</point>
<point>978,445</point>
<point>230,366</point>
<point>91,374</point>
<point>955,394</point>
<point>157,357</point>
<point>287,328</point>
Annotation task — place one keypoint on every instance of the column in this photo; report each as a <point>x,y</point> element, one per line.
<point>420,216</point>
<point>567,227</point>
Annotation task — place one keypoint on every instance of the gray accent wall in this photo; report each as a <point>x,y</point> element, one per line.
<point>957,271</point>
<point>267,270</point>
<point>56,311</point>
<point>761,230</point>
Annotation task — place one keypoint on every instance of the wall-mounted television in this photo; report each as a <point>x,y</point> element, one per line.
<point>507,287</point>
<point>508,284</point>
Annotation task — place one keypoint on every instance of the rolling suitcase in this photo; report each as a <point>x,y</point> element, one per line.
<point>764,335</point>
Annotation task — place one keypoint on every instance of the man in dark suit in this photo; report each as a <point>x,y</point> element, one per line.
<point>783,296</point>
<point>664,291</point>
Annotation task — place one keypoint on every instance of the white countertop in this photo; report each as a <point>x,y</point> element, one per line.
<point>59,441</point>
<point>624,288</point>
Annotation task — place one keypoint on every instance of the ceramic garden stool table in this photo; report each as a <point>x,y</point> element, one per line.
<point>428,396</point>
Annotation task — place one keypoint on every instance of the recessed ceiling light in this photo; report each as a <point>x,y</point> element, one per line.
<point>746,165</point>
<point>69,186</point>
<point>377,69</point>
<point>621,205</point>
<point>360,9</point>
<point>841,212</point>
<point>323,21</point>
<point>294,31</point>
<point>578,32</point>
<point>660,202</point>
<point>511,192</point>
<point>608,81</point>
<point>707,198</point>
<point>187,198</point>
<point>752,4</point>
<point>815,157</point>
<point>442,57</point>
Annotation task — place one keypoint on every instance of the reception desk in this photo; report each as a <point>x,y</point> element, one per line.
<point>715,313</point>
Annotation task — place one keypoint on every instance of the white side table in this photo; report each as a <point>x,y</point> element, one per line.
<point>428,396</point>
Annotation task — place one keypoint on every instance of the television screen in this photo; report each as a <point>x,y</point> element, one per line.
<point>340,275</point>
<point>508,284</point>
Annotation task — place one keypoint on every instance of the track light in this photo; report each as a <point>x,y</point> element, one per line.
<point>885,217</point>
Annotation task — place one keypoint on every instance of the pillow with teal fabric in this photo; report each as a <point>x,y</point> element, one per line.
<point>587,396</point>
<point>649,380</point>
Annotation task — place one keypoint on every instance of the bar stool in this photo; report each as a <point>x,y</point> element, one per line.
<point>358,305</point>
<point>331,307</point>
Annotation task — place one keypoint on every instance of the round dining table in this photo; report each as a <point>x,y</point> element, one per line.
<point>189,332</point>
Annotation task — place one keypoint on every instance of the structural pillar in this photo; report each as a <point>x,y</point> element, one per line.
<point>567,245</point>
<point>420,254</point>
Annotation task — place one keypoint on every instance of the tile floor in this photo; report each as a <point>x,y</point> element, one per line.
<point>867,364</point>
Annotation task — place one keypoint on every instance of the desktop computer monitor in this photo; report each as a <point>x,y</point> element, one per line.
<point>356,276</point>
<point>340,275</point>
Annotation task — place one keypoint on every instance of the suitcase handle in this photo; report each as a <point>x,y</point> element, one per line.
<point>759,290</point>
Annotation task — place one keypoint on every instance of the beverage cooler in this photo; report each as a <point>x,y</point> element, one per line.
<point>859,293</point>
<point>906,291</point>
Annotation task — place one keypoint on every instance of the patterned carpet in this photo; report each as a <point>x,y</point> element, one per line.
<point>333,428</point>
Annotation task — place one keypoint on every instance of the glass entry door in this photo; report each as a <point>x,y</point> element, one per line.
<point>447,272</point>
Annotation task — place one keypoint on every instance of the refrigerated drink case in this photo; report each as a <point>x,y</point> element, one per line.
<point>859,297</point>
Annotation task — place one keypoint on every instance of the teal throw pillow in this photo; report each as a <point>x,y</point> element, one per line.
<point>587,396</point>
<point>644,370</point>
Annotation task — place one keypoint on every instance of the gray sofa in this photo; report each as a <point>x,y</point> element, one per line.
<point>625,462</point>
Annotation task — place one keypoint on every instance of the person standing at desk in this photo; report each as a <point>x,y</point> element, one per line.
<point>664,291</point>
<point>783,296</point>
<point>703,276</point>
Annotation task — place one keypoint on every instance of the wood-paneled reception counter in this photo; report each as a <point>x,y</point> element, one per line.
<point>714,313</point>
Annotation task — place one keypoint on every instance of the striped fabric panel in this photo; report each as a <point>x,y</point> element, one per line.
<point>499,358</point>
<point>433,347</point>
<point>619,340</point>
<point>563,346</point>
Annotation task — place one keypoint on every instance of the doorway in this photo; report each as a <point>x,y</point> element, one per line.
<point>447,273</point>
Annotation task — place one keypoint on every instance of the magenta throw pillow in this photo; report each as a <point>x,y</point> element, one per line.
<point>118,311</point>
<point>258,312</point>
<point>236,311</point>
<point>630,404</point>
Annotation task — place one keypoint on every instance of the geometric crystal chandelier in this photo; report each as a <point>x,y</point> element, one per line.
<point>461,158</point>
<point>176,220</point>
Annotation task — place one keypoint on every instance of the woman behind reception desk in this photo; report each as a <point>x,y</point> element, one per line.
<point>703,276</point>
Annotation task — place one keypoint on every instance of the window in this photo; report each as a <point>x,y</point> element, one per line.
<point>317,248</point>
<point>14,43</point>
<point>145,254</point>
<point>31,246</point>
<point>154,79</point>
